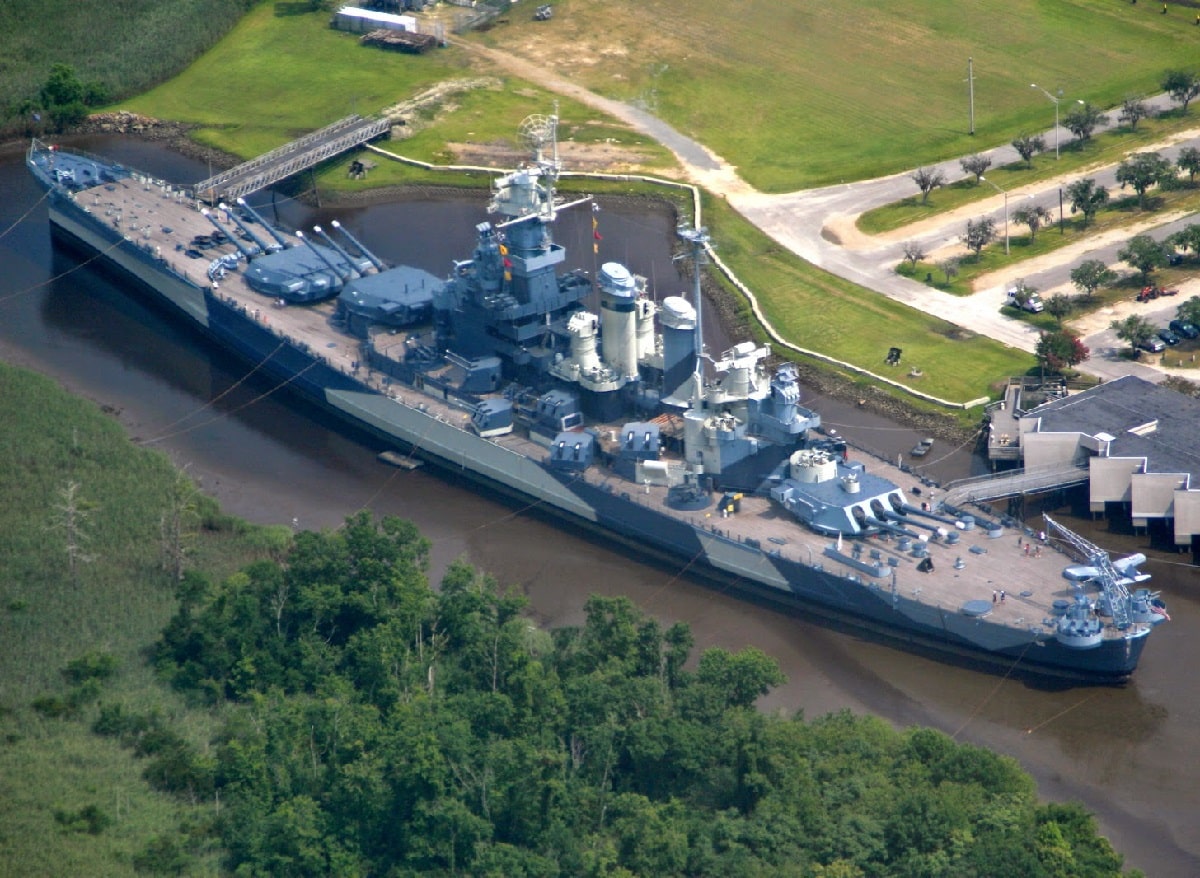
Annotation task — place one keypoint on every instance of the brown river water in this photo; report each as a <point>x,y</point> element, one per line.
<point>1128,754</point>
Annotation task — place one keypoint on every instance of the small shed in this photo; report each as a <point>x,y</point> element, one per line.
<point>361,21</point>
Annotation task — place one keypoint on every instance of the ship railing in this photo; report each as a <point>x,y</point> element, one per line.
<point>37,145</point>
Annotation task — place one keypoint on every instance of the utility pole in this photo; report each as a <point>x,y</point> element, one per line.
<point>971,93</point>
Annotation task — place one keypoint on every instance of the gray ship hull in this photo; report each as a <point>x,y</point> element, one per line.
<point>802,584</point>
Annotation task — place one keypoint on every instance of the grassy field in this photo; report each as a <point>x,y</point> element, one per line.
<point>825,313</point>
<point>803,94</point>
<point>115,604</point>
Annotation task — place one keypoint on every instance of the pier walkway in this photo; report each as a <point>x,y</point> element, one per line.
<point>1013,483</point>
<point>300,154</point>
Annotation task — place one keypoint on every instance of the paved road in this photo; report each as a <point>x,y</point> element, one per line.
<point>807,222</point>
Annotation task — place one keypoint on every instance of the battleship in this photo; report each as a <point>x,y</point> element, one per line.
<point>616,419</point>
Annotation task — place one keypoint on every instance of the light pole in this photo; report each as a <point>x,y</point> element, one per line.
<point>1056,100</point>
<point>1005,194</point>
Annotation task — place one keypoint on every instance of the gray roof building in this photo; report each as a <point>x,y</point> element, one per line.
<point>1140,441</point>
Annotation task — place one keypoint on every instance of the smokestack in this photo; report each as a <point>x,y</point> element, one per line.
<point>618,302</point>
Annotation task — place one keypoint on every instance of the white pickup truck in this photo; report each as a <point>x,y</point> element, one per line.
<point>1025,299</point>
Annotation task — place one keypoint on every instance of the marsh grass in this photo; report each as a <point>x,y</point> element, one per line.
<point>127,46</point>
<point>115,605</point>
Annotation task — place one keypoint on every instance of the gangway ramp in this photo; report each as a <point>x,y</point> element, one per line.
<point>289,159</point>
<point>1013,484</point>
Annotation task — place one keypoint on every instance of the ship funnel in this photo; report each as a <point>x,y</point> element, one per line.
<point>618,303</point>
<point>678,320</point>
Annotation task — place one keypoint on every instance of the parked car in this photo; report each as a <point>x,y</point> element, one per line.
<point>1153,344</point>
<point>1168,336</point>
<point>922,448</point>
<point>1182,327</point>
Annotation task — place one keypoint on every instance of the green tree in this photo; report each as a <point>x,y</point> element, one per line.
<point>62,88</point>
<point>1188,161</point>
<point>1082,120</point>
<point>1034,216</point>
<point>1133,110</point>
<point>1086,197</point>
<point>980,233</point>
<point>1134,329</point>
<point>1092,854</point>
<point>66,98</point>
<point>1028,145</point>
<point>1091,274</point>
<point>1059,306</point>
<point>1060,350</point>
<point>1144,254</point>
<point>1187,238</point>
<point>740,678</point>
<point>1143,170</point>
<point>1054,852</point>
<point>1189,311</point>
<point>1182,86</point>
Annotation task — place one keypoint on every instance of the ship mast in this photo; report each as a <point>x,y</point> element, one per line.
<point>1109,580</point>
<point>698,238</point>
<point>529,193</point>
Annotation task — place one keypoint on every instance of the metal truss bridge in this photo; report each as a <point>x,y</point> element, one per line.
<point>289,159</point>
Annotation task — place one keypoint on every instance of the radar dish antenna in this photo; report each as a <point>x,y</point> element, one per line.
<point>539,132</point>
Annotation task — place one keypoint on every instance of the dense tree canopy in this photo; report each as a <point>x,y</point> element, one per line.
<point>370,726</point>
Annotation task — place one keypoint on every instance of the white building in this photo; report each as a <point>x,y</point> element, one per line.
<point>361,21</point>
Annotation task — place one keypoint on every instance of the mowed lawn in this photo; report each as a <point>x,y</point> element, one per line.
<point>799,94</point>
<point>818,311</point>
<point>280,74</point>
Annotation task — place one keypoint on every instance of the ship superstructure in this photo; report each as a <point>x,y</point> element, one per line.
<point>613,415</point>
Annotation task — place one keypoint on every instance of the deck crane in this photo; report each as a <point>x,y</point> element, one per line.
<point>1108,578</point>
